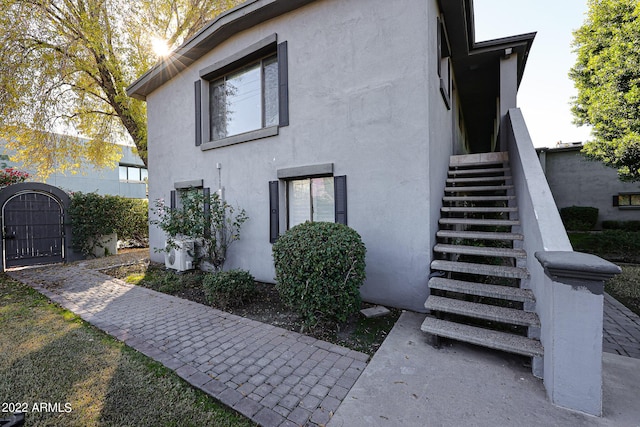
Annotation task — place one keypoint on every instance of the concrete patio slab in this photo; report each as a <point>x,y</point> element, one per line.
<point>410,383</point>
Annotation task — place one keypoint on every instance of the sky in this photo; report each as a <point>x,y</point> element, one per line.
<point>546,90</point>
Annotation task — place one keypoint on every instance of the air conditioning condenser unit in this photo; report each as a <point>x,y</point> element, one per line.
<point>179,256</point>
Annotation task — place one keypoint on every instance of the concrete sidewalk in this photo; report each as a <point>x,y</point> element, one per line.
<point>410,383</point>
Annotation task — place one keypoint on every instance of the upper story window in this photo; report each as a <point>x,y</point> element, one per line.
<point>244,100</point>
<point>133,173</point>
<point>243,97</point>
<point>444,63</point>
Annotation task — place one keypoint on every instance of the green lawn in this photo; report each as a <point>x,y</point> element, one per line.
<point>86,378</point>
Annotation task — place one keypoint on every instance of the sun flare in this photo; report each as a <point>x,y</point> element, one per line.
<point>160,47</point>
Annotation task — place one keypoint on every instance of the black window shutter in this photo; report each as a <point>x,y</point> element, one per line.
<point>198,104</point>
<point>616,200</point>
<point>173,200</point>
<point>206,192</point>
<point>340,194</point>
<point>274,214</point>
<point>283,89</point>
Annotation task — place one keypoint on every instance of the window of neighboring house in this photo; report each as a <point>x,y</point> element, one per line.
<point>133,173</point>
<point>310,199</point>
<point>444,63</point>
<point>245,96</point>
<point>627,200</point>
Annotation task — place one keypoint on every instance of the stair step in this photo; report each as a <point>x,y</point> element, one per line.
<point>481,235</point>
<point>471,209</point>
<point>484,337</point>
<point>482,311</point>
<point>486,171</point>
<point>477,198</point>
<point>481,289</point>
<point>480,251</point>
<point>478,188</point>
<point>480,269</point>
<point>478,179</point>
<point>474,221</point>
<point>479,159</point>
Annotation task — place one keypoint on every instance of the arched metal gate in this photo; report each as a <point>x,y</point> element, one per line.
<point>33,229</point>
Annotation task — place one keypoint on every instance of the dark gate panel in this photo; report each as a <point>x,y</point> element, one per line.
<point>33,230</point>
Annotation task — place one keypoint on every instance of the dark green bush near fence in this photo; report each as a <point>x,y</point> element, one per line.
<point>320,267</point>
<point>621,225</point>
<point>93,215</point>
<point>579,218</point>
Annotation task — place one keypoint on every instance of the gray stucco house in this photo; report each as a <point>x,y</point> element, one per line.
<point>577,181</point>
<point>355,98</point>
<point>391,118</point>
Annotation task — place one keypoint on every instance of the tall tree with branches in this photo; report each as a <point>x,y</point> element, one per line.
<point>607,76</point>
<point>64,67</point>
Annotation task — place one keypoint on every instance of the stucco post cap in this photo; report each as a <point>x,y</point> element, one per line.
<point>577,265</point>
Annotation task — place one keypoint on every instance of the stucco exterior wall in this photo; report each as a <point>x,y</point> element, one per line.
<point>364,96</point>
<point>576,181</point>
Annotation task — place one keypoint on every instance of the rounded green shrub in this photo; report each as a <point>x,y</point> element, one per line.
<point>228,288</point>
<point>579,218</point>
<point>320,267</point>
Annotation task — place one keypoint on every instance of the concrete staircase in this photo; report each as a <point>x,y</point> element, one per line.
<point>478,291</point>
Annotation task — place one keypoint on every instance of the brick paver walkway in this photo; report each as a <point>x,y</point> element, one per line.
<point>272,376</point>
<point>621,334</point>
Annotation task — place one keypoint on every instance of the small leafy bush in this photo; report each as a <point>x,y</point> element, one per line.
<point>621,225</point>
<point>169,284</point>
<point>228,288</point>
<point>579,218</point>
<point>320,267</point>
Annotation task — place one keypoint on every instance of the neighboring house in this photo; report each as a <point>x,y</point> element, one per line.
<point>127,178</point>
<point>577,181</point>
<point>366,112</point>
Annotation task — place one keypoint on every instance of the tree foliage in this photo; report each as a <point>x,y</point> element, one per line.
<point>607,76</point>
<point>64,67</point>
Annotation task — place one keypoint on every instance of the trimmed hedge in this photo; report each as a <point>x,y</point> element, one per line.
<point>320,267</point>
<point>621,225</point>
<point>228,288</point>
<point>93,215</point>
<point>613,245</point>
<point>579,218</point>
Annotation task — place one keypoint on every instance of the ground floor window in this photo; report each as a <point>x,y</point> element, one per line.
<point>310,199</point>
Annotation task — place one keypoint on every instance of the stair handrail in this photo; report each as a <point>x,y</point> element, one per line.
<point>567,285</point>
